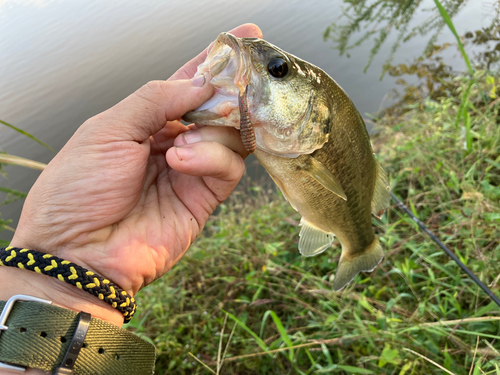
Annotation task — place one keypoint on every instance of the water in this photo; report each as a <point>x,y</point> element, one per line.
<point>62,62</point>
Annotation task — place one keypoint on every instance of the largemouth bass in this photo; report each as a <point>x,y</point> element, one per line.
<point>306,132</point>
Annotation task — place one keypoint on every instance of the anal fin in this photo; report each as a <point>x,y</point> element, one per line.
<point>313,241</point>
<point>349,267</point>
<point>381,195</point>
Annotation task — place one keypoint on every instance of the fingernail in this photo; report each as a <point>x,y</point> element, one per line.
<point>198,81</point>
<point>191,137</point>
<point>184,153</point>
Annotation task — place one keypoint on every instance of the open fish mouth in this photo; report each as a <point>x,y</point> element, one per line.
<point>262,91</point>
<point>237,55</point>
<point>227,67</point>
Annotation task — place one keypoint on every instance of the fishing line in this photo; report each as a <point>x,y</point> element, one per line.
<point>422,226</point>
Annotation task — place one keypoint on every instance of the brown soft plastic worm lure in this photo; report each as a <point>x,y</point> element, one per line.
<point>246,129</point>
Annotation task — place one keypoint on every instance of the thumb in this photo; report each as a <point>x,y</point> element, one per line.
<point>146,111</point>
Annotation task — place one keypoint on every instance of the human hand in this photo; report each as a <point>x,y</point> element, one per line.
<point>132,189</point>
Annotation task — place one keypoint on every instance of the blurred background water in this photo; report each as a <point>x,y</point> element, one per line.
<point>64,61</point>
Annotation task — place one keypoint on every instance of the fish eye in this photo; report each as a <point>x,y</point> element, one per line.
<point>278,67</point>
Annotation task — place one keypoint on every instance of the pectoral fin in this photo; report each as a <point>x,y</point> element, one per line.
<point>323,175</point>
<point>381,195</point>
<point>313,241</point>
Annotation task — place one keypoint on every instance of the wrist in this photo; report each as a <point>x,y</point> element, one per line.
<point>18,281</point>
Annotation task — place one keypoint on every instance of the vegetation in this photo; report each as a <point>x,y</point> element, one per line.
<point>11,195</point>
<point>373,21</point>
<point>245,281</point>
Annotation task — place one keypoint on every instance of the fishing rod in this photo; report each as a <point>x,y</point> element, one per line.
<point>422,226</point>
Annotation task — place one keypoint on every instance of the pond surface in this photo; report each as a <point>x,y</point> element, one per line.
<point>62,62</point>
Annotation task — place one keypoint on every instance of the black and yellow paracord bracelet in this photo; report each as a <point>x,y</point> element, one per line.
<point>71,273</point>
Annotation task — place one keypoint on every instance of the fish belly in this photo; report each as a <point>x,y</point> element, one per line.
<point>317,205</point>
<point>349,221</point>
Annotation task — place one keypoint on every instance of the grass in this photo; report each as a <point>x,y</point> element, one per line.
<point>371,23</point>
<point>447,20</point>
<point>243,300</point>
<point>26,134</point>
<point>10,195</point>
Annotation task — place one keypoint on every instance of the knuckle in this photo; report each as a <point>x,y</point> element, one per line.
<point>153,88</point>
<point>152,92</point>
<point>233,168</point>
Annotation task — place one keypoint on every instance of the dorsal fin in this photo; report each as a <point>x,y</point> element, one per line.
<point>381,195</point>
<point>313,241</point>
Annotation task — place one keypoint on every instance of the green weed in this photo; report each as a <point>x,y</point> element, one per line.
<point>26,134</point>
<point>10,195</point>
<point>372,21</point>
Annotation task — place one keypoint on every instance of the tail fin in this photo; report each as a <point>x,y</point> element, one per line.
<point>349,268</point>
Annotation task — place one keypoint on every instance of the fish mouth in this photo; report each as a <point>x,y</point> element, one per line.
<point>227,68</point>
<point>241,76</point>
<point>240,99</point>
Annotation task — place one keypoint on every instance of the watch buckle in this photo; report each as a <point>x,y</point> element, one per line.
<point>3,320</point>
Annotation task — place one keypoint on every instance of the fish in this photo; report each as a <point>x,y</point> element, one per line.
<point>308,135</point>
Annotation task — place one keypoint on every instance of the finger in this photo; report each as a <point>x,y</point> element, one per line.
<point>248,30</point>
<point>220,170</point>
<point>207,159</point>
<point>147,111</point>
<point>229,137</point>
<point>164,139</point>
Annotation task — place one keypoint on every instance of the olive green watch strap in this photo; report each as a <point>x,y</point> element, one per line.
<point>38,336</point>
